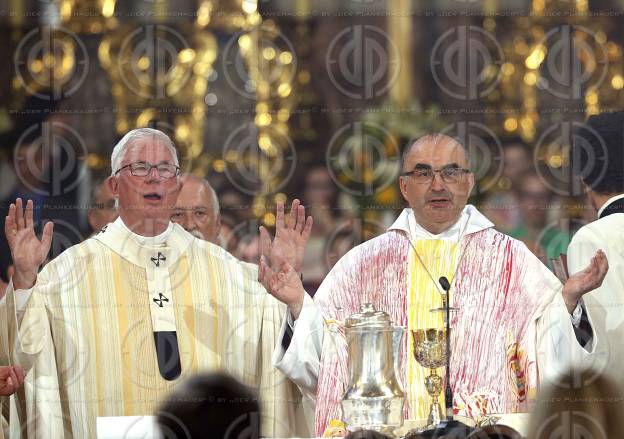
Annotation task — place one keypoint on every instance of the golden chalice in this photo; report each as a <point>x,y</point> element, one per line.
<point>430,352</point>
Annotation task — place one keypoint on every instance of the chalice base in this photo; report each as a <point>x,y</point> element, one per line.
<point>435,415</point>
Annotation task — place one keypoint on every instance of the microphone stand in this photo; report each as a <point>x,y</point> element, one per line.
<point>449,427</point>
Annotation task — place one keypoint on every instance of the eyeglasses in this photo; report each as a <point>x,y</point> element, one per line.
<point>449,174</point>
<point>142,169</point>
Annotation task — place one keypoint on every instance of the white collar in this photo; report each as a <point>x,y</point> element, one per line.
<point>609,201</point>
<point>146,251</point>
<point>146,240</point>
<point>470,221</point>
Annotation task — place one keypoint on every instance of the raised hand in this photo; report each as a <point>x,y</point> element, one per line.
<point>585,280</point>
<point>285,285</point>
<point>27,251</point>
<point>290,238</point>
<point>11,378</point>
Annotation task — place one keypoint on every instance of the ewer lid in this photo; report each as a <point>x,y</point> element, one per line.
<point>368,316</point>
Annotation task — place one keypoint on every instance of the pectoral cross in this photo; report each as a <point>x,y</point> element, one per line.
<point>160,300</point>
<point>156,260</point>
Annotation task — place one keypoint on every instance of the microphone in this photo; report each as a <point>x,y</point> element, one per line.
<point>447,427</point>
<point>448,392</point>
<point>444,283</point>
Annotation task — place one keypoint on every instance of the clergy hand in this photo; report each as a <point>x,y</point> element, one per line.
<point>11,379</point>
<point>27,251</point>
<point>290,238</point>
<point>586,280</point>
<point>284,285</point>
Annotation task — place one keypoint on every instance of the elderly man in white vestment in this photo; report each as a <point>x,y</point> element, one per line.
<point>514,321</point>
<point>111,325</point>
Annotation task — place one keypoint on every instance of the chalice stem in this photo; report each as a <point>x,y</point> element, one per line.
<point>433,383</point>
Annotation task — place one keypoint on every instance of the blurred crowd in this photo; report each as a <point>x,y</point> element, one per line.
<point>524,205</point>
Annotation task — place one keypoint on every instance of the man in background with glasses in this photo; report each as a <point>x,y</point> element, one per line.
<point>197,209</point>
<point>113,323</point>
<point>513,322</point>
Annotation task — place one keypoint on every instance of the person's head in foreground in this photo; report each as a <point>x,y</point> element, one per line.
<point>436,180</point>
<point>210,406</point>
<point>197,209</point>
<point>581,405</point>
<point>598,156</point>
<point>145,180</point>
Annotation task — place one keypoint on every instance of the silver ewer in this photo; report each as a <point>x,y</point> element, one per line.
<point>374,399</point>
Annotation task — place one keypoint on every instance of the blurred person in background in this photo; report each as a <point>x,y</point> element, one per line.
<point>28,165</point>
<point>227,236</point>
<point>538,225</point>
<point>48,163</point>
<point>235,204</point>
<point>500,204</point>
<point>197,209</point>
<point>518,160</point>
<point>237,218</point>
<point>320,196</point>
<point>102,209</point>
<point>340,243</point>
<point>248,249</point>
<point>210,406</point>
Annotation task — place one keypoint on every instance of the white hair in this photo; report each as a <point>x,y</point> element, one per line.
<point>119,151</point>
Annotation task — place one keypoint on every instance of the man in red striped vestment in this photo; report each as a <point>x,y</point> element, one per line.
<point>515,324</point>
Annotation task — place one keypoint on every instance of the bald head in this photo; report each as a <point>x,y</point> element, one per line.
<point>433,141</point>
<point>197,209</point>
